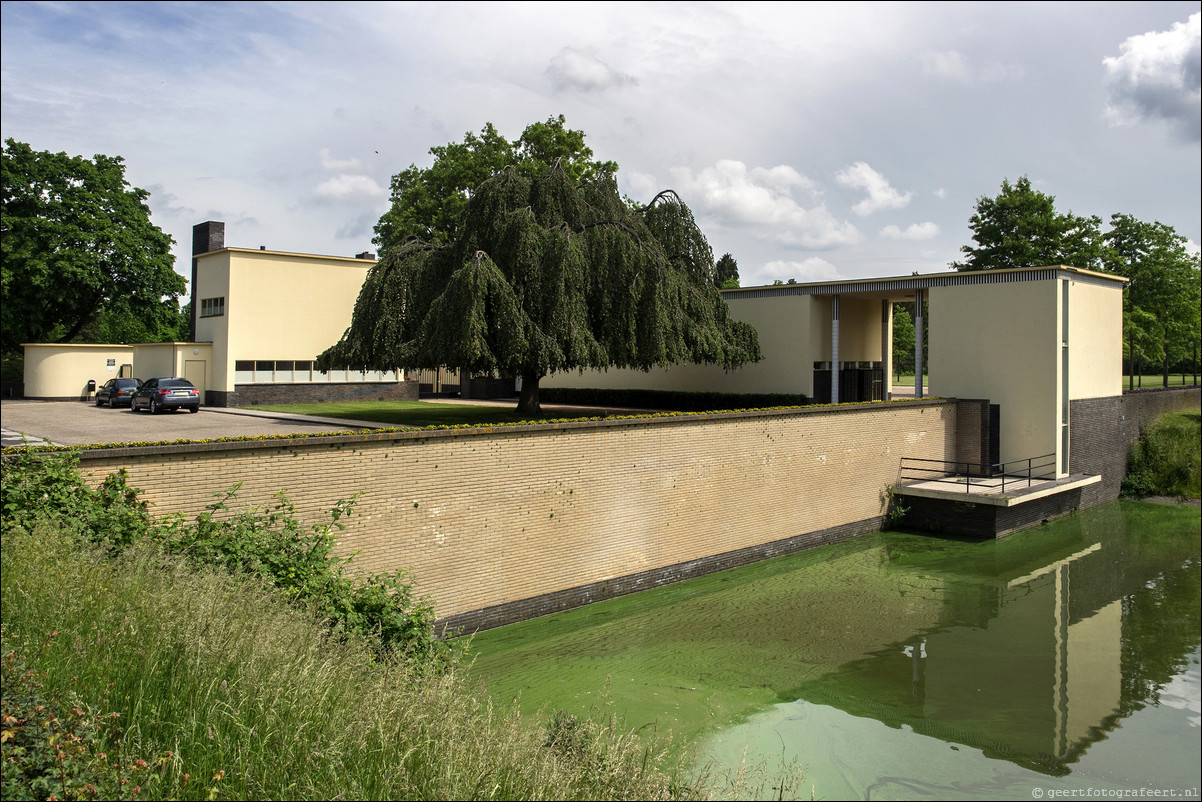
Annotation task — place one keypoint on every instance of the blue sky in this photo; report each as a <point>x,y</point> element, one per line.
<point>811,140</point>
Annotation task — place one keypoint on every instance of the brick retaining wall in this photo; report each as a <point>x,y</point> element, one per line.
<point>503,523</point>
<point>1102,431</point>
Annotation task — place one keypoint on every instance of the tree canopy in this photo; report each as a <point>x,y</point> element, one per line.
<point>429,203</point>
<point>1162,299</point>
<point>726,272</point>
<point>79,252</point>
<point>1021,228</point>
<point>547,273</point>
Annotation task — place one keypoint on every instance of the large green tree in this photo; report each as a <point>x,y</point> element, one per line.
<point>548,273</point>
<point>1021,228</point>
<point>79,250</point>
<point>429,203</point>
<point>1161,300</point>
<point>726,272</point>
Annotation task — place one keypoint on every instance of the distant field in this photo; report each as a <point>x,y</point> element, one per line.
<point>420,413</point>
<point>1157,380</point>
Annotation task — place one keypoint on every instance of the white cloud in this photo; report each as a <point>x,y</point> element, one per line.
<point>343,187</point>
<point>917,231</point>
<point>329,163</point>
<point>1158,75</point>
<point>880,194</point>
<point>940,193</point>
<point>950,65</point>
<point>763,199</point>
<point>571,69</point>
<point>812,269</point>
<point>954,67</point>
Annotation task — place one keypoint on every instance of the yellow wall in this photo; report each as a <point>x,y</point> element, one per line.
<point>278,306</point>
<point>493,516</point>
<point>213,281</point>
<point>63,371</point>
<point>787,367</point>
<point>794,332</point>
<point>1095,340</point>
<point>1001,342</point>
<point>157,360</point>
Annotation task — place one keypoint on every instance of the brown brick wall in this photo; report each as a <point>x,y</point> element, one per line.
<point>1102,431</point>
<point>493,517</point>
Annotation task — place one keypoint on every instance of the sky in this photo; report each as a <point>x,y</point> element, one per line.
<point>813,141</point>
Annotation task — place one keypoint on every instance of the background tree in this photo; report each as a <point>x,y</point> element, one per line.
<point>429,203</point>
<point>726,272</point>
<point>546,274</point>
<point>1161,300</point>
<point>1021,228</point>
<point>903,340</point>
<point>79,249</point>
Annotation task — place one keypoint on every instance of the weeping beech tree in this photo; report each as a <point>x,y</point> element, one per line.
<point>546,275</point>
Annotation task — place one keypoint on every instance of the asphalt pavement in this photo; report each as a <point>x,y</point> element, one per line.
<point>79,423</point>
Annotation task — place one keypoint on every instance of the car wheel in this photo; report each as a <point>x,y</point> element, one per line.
<point>111,404</point>
<point>194,409</point>
<point>133,406</point>
<point>154,407</point>
<point>98,401</point>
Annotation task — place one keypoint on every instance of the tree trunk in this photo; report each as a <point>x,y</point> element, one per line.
<point>1130,361</point>
<point>528,400</point>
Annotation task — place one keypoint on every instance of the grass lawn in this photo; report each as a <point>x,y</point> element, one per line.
<point>1157,380</point>
<point>417,413</point>
<point>907,379</point>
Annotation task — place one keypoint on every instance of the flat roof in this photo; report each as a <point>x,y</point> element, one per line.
<point>288,254</point>
<point>899,288</point>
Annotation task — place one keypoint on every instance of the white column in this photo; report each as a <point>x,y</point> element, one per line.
<point>834,349</point>
<point>887,349</point>
<point>918,297</point>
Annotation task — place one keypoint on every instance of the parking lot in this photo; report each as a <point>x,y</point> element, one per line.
<point>79,423</point>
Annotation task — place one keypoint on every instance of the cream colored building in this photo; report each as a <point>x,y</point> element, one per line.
<point>1029,340</point>
<point>268,314</point>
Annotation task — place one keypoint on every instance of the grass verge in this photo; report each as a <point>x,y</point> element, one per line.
<point>185,682</point>
<point>414,413</point>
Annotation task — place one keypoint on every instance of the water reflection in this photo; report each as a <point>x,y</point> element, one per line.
<point>1030,649</point>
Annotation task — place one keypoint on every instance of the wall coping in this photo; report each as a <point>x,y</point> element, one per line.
<point>352,436</point>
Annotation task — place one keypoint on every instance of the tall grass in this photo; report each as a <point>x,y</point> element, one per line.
<point>229,692</point>
<point>1167,459</point>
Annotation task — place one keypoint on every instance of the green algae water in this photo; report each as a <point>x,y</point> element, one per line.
<point>896,666</point>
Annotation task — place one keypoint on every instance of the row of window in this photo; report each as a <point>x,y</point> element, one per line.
<point>268,371</point>
<point>212,307</point>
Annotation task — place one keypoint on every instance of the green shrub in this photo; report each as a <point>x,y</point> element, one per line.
<point>669,399</point>
<point>227,691</point>
<point>1167,459</point>
<point>269,544</point>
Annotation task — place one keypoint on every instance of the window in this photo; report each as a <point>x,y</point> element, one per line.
<point>212,307</point>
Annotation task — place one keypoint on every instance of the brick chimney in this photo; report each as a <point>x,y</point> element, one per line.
<point>206,237</point>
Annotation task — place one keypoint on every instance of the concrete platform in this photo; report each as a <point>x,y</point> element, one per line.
<point>1001,491</point>
<point>988,507</point>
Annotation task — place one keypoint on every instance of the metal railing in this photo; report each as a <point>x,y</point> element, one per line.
<point>1017,472</point>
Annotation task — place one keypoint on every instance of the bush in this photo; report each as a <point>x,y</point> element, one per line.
<point>669,399</point>
<point>269,544</point>
<point>226,691</point>
<point>1167,459</point>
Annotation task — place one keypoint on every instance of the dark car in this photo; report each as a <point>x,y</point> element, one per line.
<point>169,393</point>
<point>117,392</point>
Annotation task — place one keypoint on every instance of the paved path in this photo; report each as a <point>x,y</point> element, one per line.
<point>78,423</point>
